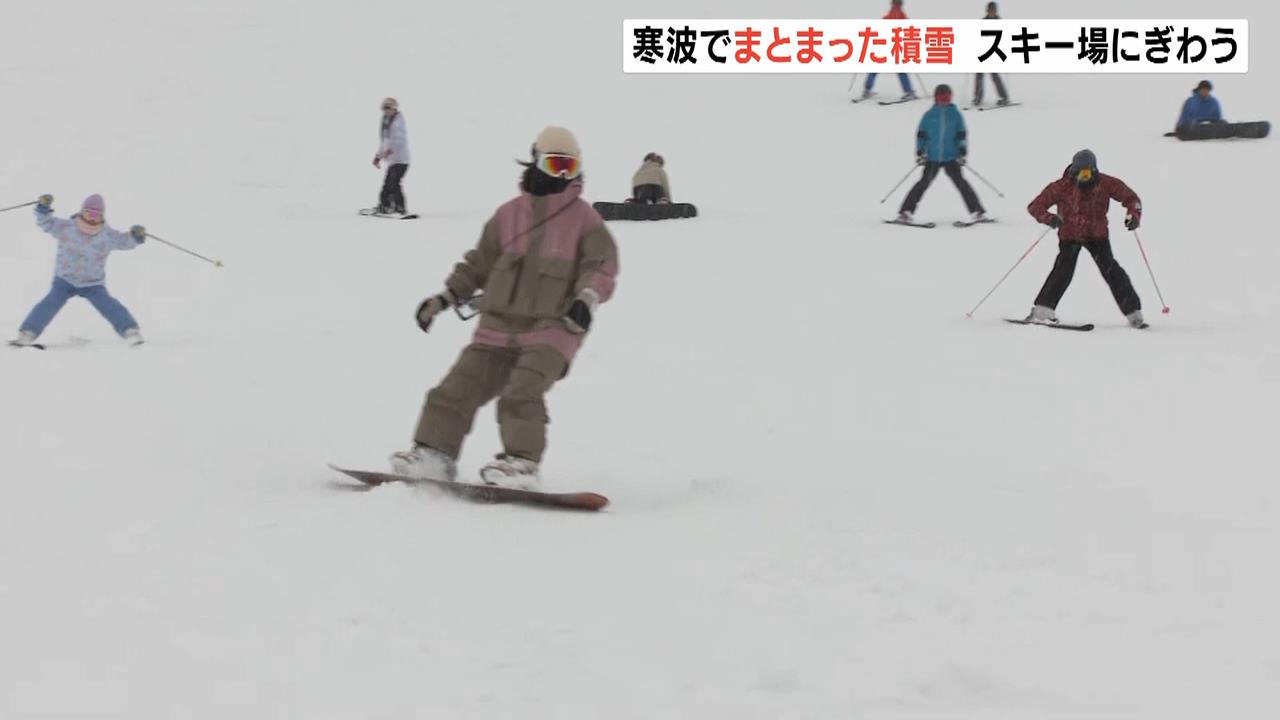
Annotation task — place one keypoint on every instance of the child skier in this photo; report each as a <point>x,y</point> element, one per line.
<point>868,89</point>
<point>649,185</point>
<point>84,242</point>
<point>1083,195</point>
<point>545,260</point>
<point>942,143</point>
<point>393,149</point>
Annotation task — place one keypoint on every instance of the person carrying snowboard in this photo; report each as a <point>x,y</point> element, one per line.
<point>1082,196</point>
<point>545,261</point>
<point>84,242</point>
<point>649,185</point>
<point>868,88</point>
<point>979,86</point>
<point>942,143</point>
<point>393,149</point>
<point>1201,107</point>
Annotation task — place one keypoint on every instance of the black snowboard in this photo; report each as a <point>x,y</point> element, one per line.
<point>1223,131</point>
<point>489,493</point>
<point>644,211</point>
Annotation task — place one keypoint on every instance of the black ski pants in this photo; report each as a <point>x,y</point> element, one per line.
<point>930,172</point>
<point>648,193</point>
<point>392,197</point>
<point>1064,268</point>
<point>979,88</point>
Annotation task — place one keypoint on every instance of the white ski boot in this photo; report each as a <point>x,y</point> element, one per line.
<point>133,337</point>
<point>905,217</point>
<point>423,463</point>
<point>979,216</point>
<point>510,471</point>
<point>910,96</point>
<point>1136,321</point>
<point>25,338</point>
<point>1043,315</point>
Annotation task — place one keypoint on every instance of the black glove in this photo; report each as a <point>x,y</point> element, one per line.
<point>963,158</point>
<point>920,158</point>
<point>578,319</point>
<point>1131,222</point>
<point>1055,222</point>
<point>431,307</point>
<point>44,204</point>
<point>139,233</point>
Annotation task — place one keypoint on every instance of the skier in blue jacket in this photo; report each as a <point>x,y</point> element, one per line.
<point>1201,107</point>
<point>941,144</point>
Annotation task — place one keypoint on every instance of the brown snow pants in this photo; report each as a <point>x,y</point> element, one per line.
<point>518,377</point>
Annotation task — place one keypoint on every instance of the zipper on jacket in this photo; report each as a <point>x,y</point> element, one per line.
<point>942,135</point>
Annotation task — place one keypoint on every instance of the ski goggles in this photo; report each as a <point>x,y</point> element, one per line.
<point>556,165</point>
<point>91,216</point>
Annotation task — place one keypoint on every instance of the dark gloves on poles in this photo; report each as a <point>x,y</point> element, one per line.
<point>1055,222</point>
<point>1131,222</point>
<point>44,204</point>
<point>139,233</point>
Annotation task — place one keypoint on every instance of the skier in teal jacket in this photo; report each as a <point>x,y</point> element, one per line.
<point>942,143</point>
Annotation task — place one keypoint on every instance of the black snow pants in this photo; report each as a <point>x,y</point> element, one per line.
<point>649,194</point>
<point>979,88</point>
<point>1064,269</point>
<point>930,172</point>
<point>392,197</point>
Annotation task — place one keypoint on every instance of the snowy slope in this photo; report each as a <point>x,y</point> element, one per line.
<point>834,496</point>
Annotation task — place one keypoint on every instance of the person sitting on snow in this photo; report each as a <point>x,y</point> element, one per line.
<point>1201,107</point>
<point>649,185</point>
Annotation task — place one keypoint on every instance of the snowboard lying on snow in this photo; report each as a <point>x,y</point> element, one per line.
<point>490,494</point>
<point>1223,131</point>
<point>644,211</point>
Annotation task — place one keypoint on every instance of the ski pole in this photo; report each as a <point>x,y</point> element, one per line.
<point>904,179</point>
<point>984,180</point>
<point>853,81</point>
<point>215,263</point>
<point>923,86</point>
<point>1006,275</point>
<point>1165,306</point>
<point>15,207</point>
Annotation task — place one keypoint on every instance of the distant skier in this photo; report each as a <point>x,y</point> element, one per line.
<point>394,151</point>
<point>979,86</point>
<point>942,143</point>
<point>1083,195</point>
<point>84,242</point>
<point>868,89</point>
<point>1201,107</point>
<point>649,185</point>
<point>544,261</point>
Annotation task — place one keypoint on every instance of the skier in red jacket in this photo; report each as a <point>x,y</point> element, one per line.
<point>868,89</point>
<point>1083,195</point>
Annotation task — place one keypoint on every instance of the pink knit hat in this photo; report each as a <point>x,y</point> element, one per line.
<point>93,208</point>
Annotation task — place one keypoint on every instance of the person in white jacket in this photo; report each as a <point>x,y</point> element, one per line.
<point>393,149</point>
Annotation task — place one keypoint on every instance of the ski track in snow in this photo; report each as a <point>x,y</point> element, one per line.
<point>833,495</point>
